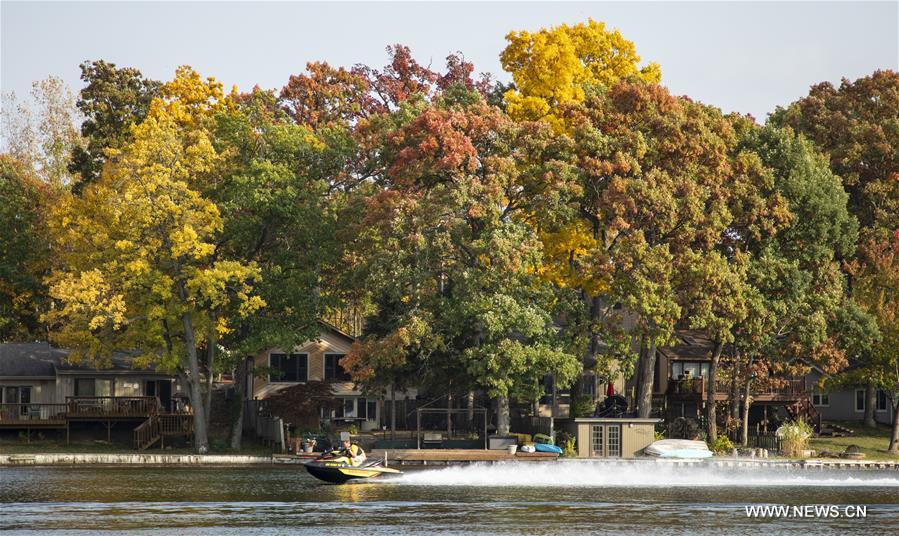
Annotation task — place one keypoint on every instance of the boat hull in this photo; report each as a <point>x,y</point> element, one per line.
<point>341,473</point>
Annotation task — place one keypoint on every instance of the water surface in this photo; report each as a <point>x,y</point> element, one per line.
<point>545,498</point>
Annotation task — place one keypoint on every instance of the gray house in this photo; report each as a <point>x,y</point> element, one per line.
<point>40,389</point>
<point>846,403</point>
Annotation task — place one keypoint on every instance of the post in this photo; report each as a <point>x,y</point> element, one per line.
<point>418,428</point>
<point>485,429</point>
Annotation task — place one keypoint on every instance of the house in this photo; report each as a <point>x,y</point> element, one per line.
<point>845,403</point>
<point>39,388</point>
<point>317,360</point>
<point>680,385</point>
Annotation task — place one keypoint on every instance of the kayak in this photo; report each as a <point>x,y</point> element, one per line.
<point>340,472</point>
<point>542,447</point>
<point>678,448</point>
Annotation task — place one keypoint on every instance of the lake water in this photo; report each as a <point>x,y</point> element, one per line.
<point>544,498</point>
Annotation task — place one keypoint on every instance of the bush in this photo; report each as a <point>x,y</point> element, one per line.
<point>584,406</point>
<point>722,445</point>
<point>794,437</point>
<point>567,443</point>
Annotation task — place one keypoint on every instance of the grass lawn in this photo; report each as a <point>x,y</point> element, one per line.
<point>873,442</point>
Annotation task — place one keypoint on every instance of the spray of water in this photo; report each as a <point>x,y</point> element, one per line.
<point>599,474</point>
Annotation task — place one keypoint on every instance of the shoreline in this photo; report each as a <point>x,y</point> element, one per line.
<point>408,459</point>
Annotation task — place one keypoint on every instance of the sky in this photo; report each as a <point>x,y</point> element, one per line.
<point>746,57</point>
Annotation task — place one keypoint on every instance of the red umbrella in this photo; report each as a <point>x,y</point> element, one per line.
<point>610,389</point>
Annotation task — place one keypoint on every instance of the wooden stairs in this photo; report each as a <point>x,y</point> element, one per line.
<point>803,409</point>
<point>159,426</point>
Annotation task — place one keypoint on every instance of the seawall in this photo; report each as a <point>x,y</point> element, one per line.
<point>131,459</point>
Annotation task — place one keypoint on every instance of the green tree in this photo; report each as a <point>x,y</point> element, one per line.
<point>112,101</point>
<point>24,250</point>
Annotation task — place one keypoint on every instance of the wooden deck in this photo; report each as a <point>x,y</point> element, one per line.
<point>695,389</point>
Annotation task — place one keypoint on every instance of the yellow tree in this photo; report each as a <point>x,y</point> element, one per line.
<point>553,67</point>
<point>139,268</point>
<point>554,71</point>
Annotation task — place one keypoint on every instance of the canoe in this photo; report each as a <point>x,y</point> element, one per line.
<point>678,448</point>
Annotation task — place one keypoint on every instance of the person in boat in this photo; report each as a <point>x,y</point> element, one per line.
<point>353,453</point>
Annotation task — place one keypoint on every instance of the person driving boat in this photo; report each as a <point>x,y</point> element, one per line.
<point>350,453</point>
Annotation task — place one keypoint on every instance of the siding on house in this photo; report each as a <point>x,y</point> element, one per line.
<point>841,403</point>
<point>328,342</point>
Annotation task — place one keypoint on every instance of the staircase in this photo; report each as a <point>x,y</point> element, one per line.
<point>147,433</point>
<point>803,409</point>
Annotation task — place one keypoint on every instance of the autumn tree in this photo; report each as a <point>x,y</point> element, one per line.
<point>855,125</point>
<point>454,269</point>
<point>141,267</point>
<point>556,66</point>
<point>876,275</point>
<point>112,101</point>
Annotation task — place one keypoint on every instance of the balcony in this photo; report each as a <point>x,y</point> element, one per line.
<point>111,407</point>
<point>32,415</point>
<point>776,389</point>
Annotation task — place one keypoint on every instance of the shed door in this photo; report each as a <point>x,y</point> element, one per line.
<point>606,441</point>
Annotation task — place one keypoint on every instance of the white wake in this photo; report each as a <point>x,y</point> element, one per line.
<point>589,474</point>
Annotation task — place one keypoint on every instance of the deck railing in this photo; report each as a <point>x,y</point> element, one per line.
<point>698,386</point>
<point>175,423</point>
<point>12,414</point>
<point>112,406</point>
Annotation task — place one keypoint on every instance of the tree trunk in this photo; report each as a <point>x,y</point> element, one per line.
<point>502,415</point>
<point>211,342</point>
<point>870,405</point>
<point>449,416</point>
<point>470,406</point>
<point>644,386</point>
<point>393,411</point>
<point>711,384</point>
<point>201,439</point>
<point>735,389</point>
<point>894,439</point>
<point>240,382</point>
<point>747,401</point>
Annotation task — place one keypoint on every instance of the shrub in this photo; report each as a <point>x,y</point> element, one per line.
<point>567,443</point>
<point>658,436</point>
<point>722,445</point>
<point>794,437</point>
<point>584,406</point>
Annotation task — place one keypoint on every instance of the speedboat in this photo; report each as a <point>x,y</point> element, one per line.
<point>338,471</point>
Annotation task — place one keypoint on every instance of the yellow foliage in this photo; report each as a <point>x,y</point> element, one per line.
<point>552,67</point>
<point>139,244</point>
<point>566,259</point>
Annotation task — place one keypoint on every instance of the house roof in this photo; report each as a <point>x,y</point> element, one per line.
<point>39,359</point>
<point>32,359</point>
<point>691,344</point>
<point>337,331</point>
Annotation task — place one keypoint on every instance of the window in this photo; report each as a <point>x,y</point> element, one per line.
<point>104,387</point>
<point>333,370</point>
<point>371,413</point>
<point>606,440</point>
<point>289,368</point>
<point>16,395</point>
<point>127,388</point>
<point>85,387</point>
<point>882,404</point>
<point>820,399</point>
<point>859,400</point>
<point>694,369</point>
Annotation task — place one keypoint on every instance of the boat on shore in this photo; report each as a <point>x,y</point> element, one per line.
<point>678,448</point>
